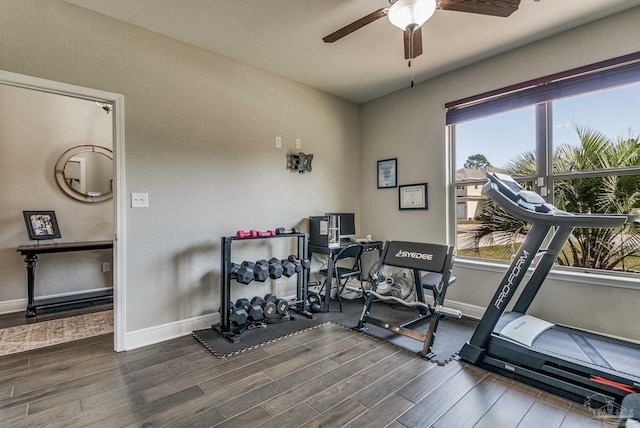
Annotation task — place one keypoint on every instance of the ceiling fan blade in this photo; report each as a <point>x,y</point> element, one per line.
<point>337,35</point>
<point>502,8</point>
<point>416,45</point>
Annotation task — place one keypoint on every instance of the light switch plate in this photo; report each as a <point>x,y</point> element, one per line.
<point>139,200</point>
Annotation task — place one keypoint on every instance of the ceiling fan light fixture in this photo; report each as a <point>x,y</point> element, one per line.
<point>411,14</point>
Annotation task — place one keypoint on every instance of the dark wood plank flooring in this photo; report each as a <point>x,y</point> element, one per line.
<point>329,377</point>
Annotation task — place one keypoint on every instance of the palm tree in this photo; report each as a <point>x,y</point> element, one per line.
<point>588,248</point>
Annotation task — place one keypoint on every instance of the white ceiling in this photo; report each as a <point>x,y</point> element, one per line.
<point>285,36</point>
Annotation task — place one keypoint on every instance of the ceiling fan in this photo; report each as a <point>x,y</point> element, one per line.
<point>409,15</point>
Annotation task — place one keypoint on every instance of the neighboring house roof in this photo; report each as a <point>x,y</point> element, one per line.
<point>472,174</point>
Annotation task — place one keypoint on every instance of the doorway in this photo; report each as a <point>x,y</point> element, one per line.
<point>116,216</point>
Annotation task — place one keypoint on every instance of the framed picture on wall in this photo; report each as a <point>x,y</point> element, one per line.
<point>413,196</point>
<point>41,225</point>
<point>388,173</point>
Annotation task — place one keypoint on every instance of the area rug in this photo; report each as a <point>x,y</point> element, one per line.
<point>47,333</point>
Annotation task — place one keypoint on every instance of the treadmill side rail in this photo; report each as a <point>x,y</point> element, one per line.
<point>548,383</point>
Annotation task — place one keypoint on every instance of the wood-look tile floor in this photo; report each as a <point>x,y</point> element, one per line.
<point>328,376</point>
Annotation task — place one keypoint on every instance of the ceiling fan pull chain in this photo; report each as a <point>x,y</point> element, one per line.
<point>412,77</point>
<point>411,54</point>
<point>411,73</point>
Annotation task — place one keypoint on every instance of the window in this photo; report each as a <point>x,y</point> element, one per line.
<point>573,138</point>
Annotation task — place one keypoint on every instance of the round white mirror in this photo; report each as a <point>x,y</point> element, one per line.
<point>85,173</point>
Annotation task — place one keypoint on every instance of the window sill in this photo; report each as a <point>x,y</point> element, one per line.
<point>593,277</point>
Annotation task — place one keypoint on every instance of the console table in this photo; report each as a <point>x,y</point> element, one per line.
<point>31,252</point>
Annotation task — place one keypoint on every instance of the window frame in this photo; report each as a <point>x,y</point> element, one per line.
<point>575,82</point>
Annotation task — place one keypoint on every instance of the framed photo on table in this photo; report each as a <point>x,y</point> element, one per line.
<point>413,196</point>
<point>41,225</point>
<point>388,173</point>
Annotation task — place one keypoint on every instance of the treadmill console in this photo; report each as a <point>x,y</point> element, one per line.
<point>526,199</point>
<point>532,208</point>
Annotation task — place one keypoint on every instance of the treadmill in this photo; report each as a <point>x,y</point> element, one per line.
<point>591,369</point>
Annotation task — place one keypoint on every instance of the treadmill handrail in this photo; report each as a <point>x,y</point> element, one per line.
<point>552,216</point>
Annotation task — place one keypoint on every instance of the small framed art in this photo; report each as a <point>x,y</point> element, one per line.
<point>388,173</point>
<point>41,225</point>
<point>413,196</point>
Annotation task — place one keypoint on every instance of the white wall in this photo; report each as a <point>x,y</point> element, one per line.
<point>410,125</point>
<point>36,129</point>
<point>200,140</point>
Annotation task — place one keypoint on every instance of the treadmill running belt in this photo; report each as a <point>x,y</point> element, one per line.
<point>590,351</point>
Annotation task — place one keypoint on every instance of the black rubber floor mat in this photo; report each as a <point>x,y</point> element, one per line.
<point>249,339</point>
<point>450,337</point>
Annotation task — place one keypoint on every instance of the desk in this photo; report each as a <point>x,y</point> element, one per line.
<point>30,253</point>
<point>331,252</point>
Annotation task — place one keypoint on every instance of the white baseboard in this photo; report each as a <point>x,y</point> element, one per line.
<point>469,311</point>
<point>9,306</point>
<point>160,333</point>
<point>18,305</point>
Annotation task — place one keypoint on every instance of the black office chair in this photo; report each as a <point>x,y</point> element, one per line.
<point>346,266</point>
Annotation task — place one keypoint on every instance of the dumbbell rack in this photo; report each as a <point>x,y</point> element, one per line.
<point>224,328</point>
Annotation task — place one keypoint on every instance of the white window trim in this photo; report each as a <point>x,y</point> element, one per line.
<point>575,275</point>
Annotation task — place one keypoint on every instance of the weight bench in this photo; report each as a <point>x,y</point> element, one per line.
<point>431,265</point>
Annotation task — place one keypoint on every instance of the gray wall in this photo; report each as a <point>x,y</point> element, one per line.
<point>409,124</point>
<point>200,140</point>
<point>36,129</point>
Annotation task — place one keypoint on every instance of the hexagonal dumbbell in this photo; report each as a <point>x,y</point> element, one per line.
<point>293,259</point>
<point>261,270</point>
<point>238,317</point>
<point>300,264</point>
<point>243,304</point>
<point>282,306</point>
<point>255,311</point>
<point>257,300</point>
<point>244,274</point>
<point>288,268</point>
<point>275,268</point>
<point>233,268</point>
<point>269,309</point>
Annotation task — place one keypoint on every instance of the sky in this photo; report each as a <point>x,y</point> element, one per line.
<point>500,138</point>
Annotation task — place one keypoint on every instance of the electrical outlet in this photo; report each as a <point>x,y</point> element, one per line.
<point>106,266</point>
<point>278,143</point>
<point>298,143</point>
<point>139,200</point>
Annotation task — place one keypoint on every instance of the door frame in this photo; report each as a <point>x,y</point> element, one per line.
<point>119,190</point>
